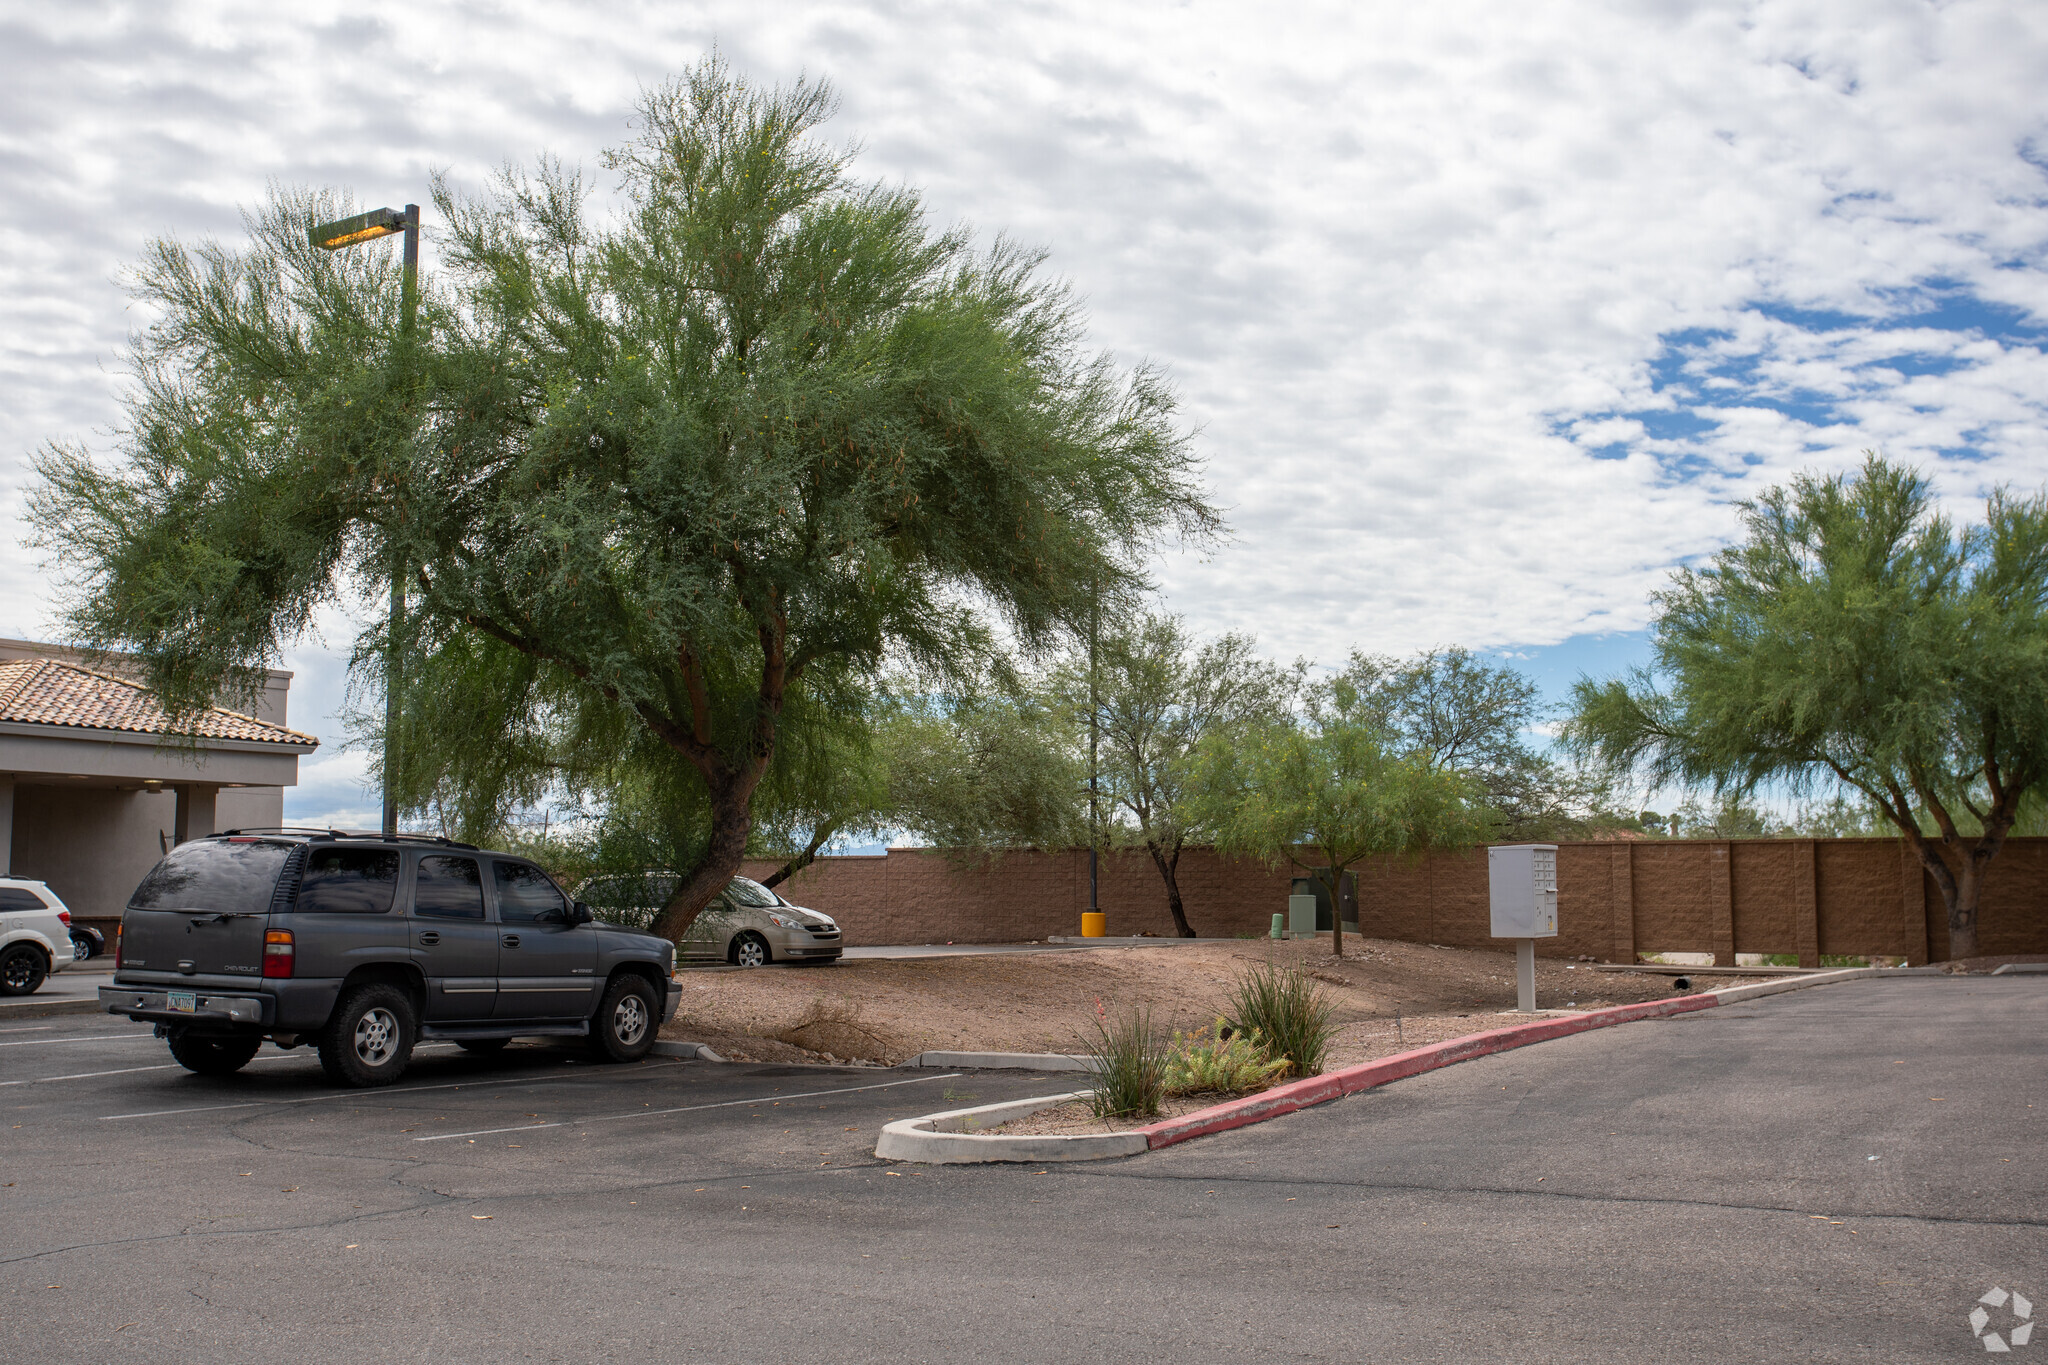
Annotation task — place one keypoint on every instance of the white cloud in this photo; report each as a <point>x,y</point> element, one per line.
<point>1442,285</point>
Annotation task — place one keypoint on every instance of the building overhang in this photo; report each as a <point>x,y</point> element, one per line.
<point>83,756</point>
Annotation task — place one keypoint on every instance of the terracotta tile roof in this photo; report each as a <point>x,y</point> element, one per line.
<point>50,692</point>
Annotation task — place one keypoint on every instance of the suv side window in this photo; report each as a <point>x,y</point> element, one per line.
<point>527,896</point>
<point>349,881</point>
<point>448,888</point>
<point>14,899</point>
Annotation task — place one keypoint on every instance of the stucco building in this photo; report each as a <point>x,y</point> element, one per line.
<point>92,789</point>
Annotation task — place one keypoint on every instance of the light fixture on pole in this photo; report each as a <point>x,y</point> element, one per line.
<point>368,227</point>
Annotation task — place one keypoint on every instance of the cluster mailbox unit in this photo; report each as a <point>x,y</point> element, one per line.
<point>1522,894</point>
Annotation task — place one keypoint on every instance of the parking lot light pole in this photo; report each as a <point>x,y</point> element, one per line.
<point>368,227</point>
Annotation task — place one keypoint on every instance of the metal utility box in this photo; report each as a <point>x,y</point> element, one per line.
<point>1347,900</point>
<point>1301,916</point>
<point>1522,890</point>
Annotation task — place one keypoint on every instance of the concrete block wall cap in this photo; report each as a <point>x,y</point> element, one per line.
<point>943,1139</point>
<point>1001,1061</point>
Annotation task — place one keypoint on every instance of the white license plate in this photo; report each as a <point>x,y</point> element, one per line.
<point>184,1002</point>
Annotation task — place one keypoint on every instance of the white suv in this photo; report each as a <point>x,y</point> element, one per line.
<point>35,935</point>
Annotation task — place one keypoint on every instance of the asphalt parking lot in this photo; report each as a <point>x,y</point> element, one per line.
<point>1828,1175</point>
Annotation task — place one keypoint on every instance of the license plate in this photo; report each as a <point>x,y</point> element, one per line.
<point>184,1002</point>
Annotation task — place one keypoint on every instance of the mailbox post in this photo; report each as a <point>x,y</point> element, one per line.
<point>1522,893</point>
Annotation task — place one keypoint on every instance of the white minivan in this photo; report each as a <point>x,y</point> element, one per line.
<point>35,935</point>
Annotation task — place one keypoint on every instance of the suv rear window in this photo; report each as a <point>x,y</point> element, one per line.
<point>220,875</point>
<point>349,881</point>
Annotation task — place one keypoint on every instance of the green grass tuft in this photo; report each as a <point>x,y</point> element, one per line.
<point>1290,1013</point>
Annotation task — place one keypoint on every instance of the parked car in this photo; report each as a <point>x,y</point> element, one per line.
<point>746,924</point>
<point>35,935</point>
<point>87,943</point>
<point>360,946</point>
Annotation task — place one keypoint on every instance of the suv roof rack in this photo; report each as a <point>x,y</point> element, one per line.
<point>313,833</point>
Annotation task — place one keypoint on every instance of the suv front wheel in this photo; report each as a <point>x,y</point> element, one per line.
<point>624,1027</point>
<point>368,1041</point>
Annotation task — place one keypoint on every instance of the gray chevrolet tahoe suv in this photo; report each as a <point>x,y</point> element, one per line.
<point>361,946</point>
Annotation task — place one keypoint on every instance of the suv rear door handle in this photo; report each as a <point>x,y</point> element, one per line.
<point>510,940</point>
<point>430,938</point>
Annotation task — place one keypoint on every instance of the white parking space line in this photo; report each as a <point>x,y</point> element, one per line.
<point>690,1108</point>
<point>88,1075</point>
<point>360,1095</point>
<point>82,1038</point>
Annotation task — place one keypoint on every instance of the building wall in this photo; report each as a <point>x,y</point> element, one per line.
<point>1803,897</point>
<point>93,844</point>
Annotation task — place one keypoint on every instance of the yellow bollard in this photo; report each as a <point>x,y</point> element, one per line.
<point>1094,924</point>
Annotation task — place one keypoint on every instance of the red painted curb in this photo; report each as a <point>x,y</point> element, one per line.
<point>1332,1085</point>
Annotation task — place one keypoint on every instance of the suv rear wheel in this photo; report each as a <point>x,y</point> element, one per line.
<point>624,1028</point>
<point>212,1056</point>
<point>22,969</point>
<point>369,1038</point>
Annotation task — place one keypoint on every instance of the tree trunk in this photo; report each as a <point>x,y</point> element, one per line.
<point>732,820</point>
<point>1962,912</point>
<point>1962,883</point>
<point>1334,878</point>
<point>1169,868</point>
<point>820,836</point>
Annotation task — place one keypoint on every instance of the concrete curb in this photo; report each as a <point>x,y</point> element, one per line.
<point>1137,942</point>
<point>689,1050</point>
<point>2012,968</point>
<point>912,1139</point>
<point>943,1139</point>
<point>28,1007</point>
<point>999,1061</point>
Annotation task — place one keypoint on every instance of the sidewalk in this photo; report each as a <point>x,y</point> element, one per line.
<point>75,990</point>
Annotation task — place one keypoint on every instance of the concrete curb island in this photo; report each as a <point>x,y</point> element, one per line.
<point>942,1139</point>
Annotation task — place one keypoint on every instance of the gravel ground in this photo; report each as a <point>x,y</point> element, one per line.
<point>1387,996</point>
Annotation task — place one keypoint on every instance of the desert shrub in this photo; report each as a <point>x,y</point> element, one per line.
<point>1289,1012</point>
<point>1206,1060</point>
<point>1128,1067</point>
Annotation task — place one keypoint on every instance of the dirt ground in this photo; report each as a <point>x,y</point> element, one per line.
<point>1388,996</point>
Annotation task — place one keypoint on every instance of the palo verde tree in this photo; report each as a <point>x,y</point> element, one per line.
<point>1855,639</point>
<point>1456,711</point>
<point>1333,785</point>
<point>1157,696</point>
<point>665,473</point>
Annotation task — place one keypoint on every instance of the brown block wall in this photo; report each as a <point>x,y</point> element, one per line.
<point>1798,896</point>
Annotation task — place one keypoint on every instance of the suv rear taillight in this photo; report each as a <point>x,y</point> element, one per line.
<point>117,947</point>
<point>278,952</point>
<point>64,918</point>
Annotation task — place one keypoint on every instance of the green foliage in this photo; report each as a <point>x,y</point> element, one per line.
<point>1460,714</point>
<point>1331,785</point>
<point>1205,1059</point>
<point>675,483</point>
<point>984,769</point>
<point>1155,696</point>
<point>1854,640</point>
<point>1127,1073</point>
<point>1288,1012</point>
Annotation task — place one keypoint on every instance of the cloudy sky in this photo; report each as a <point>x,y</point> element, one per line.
<point>1486,313</point>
